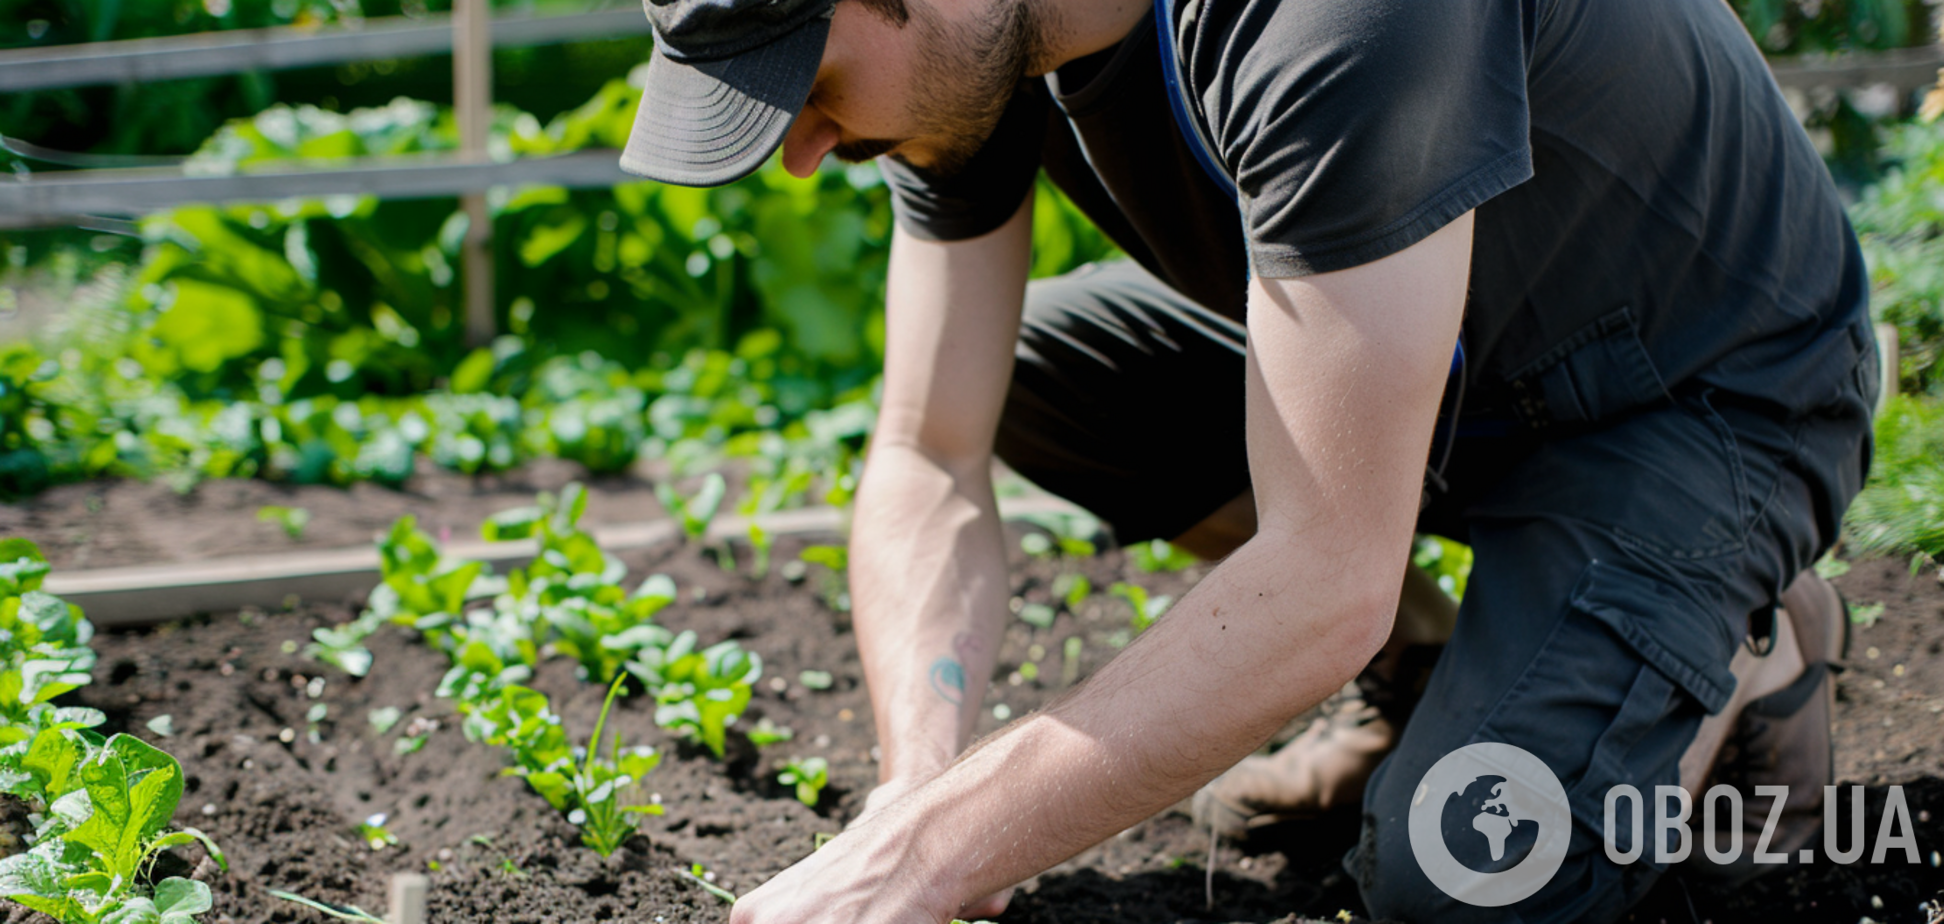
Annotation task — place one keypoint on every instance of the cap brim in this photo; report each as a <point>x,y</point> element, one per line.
<point>715,122</point>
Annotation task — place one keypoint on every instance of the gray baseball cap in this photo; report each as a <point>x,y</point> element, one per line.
<point>726,80</point>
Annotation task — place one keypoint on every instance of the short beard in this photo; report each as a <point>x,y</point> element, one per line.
<point>967,74</point>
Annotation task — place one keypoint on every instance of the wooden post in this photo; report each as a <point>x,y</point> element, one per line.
<point>472,101</point>
<point>1889,363</point>
<point>408,891</point>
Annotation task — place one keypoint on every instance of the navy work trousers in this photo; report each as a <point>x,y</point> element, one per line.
<point>1617,563</point>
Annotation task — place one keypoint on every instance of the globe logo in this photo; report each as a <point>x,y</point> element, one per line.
<point>1490,824</point>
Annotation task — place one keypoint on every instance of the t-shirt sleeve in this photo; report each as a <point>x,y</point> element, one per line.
<point>1356,128</point>
<point>987,190</point>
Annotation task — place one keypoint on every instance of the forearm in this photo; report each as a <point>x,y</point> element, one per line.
<point>928,584</point>
<point>1272,631</point>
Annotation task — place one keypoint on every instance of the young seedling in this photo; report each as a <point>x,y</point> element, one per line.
<point>374,833</point>
<point>598,785</point>
<point>292,519</point>
<point>1068,534</point>
<point>1147,608</point>
<point>694,512</point>
<point>1072,589</point>
<point>699,694</point>
<point>809,776</point>
<point>341,912</point>
<point>576,781</point>
<point>768,732</point>
<point>835,584</point>
<point>1160,555</point>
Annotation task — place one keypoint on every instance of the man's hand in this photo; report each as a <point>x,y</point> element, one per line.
<point>1344,375</point>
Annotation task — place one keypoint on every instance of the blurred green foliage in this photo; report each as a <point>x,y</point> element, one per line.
<point>321,340</point>
<point>1799,27</point>
<point>1902,508</point>
<point>174,116</point>
<point>1900,221</point>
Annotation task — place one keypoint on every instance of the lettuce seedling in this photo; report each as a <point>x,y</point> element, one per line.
<point>808,776</point>
<point>694,512</point>
<point>1146,609</point>
<point>699,694</point>
<point>584,785</point>
<point>1072,589</point>
<point>292,519</point>
<point>604,822</point>
<point>374,833</point>
<point>108,807</point>
<point>1161,555</point>
<point>603,636</point>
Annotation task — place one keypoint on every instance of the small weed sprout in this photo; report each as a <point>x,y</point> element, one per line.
<point>341,912</point>
<point>809,776</point>
<point>768,732</point>
<point>292,519</point>
<point>834,587</point>
<point>374,833</point>
<point>1147,608</point>
<point>694,512</point>
<point>1072,590</point>
<point>1159,555</point>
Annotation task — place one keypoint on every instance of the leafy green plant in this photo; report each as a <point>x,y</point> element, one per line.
<point>107,811</point>
<point>103,807</point>
<point>584,785</point>
<point>1901,510</point>
<point>699,693</point>
<point>598,785</point>
<point>809,776</point>
<point>1146,608</point>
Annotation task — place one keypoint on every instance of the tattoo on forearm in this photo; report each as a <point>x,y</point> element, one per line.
<point>948,672</point>
<point>948,680</point>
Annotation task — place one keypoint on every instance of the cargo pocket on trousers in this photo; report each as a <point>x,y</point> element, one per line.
<point>1685,651</point>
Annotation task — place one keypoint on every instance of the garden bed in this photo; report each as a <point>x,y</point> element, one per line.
<point>286,810</point>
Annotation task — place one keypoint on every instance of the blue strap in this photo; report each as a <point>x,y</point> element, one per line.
<point>1198,145</point>
<point>1178,100</point>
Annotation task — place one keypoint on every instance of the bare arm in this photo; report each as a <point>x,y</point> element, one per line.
<point>928,565</point>
<point>1344,375</point>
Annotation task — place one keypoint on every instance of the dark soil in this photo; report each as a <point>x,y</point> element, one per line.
<point>286,811</point>
<point>107,523</point>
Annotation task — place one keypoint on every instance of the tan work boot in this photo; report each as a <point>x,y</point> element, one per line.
<point>1326,767</point>
<point>1323,769</point>
<point>1781,737</point>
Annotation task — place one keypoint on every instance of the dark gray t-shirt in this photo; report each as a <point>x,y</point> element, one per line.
<point>1649,214</point>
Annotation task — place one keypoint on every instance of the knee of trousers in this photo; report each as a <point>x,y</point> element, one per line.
<point>1596,703</point>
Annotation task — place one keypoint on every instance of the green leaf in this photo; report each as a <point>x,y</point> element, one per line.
<point>136,910</point>
<point>517,523</point>
<point>134,789</point>
<point>180,900</point>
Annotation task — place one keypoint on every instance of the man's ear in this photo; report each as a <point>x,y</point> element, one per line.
<point>895,12</point>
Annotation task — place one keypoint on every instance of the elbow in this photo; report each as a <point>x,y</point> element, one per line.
<point>1352,605</point>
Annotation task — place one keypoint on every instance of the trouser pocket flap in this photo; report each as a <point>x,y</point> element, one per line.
<point>1680,638</point>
